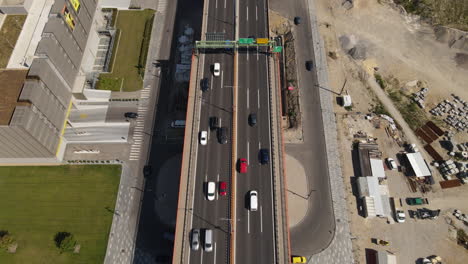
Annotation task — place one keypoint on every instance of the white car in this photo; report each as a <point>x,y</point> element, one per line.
<point>203,137</point>
<point>391,164</point>
<point>210,191</point>
<point>253,203</point>
<point>400,216</point>
<point>217,69</point>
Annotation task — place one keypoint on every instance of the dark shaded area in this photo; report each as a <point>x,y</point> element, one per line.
<point>151,242</point>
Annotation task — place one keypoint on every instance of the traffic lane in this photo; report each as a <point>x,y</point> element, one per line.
<point>319,221</point>
<point>207,214</point>
<point>221,17</point>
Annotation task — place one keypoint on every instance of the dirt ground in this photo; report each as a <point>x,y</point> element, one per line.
<point>400,46</point>
<point>413,239</point>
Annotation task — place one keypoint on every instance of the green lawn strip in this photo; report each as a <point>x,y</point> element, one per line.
<point>106,82</point>
<point>131,47</point>
<point>9,34</point>
<point>38,202</point>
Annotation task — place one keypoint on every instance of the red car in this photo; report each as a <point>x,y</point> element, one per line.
<point>243,165</point>
<point>222,188</point>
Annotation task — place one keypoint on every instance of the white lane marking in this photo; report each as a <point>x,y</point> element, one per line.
<point>247,54</point>
<point>261,219</point>
<point>206,177</point>
<point>217,182</point>
<point>220,122</point>
<point>211,83</point>
<point>257,53</point>
<point>258,97</point>
<point>248,222</point>
<point>218,177</point>
<point>214,260</point>
<point>247,98</point>
<point>259,145</point>
<point>216,5</point>
<point>248,155</point>
<point>222,79</point>
<point>201,257</point>
<point>256,13</point>
<point>224,3</point>
<point>247,13</point>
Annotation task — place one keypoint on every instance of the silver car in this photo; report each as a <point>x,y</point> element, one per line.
<point>195,243</point>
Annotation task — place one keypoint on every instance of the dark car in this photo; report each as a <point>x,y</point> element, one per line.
<point>131,115</point>
<point>264,156</point>
<point>214,122</point>
<point>252,119</point>
<point>205,84</point>
<point>297,20</point>
<point>222,135</point>
<point>309,65</point>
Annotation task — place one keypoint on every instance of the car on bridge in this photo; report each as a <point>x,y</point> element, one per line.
<point>264,156</point>
<point>217,69</point>
<point>203,137</point>
<point>298,259</point>
<point>210,191</point>
<point>223,188</point>
<point>243,165</point>
<point>205,84</point>
<point>195,241</point>
<point>222,135</point>
<point>252,119</point>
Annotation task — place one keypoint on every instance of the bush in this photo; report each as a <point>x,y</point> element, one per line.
<point>380,81</point>
<point>64,241</point>
<point>6,239</point>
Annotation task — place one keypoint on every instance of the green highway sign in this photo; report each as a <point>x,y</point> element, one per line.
<point>246,41</point>
<point>277,49</point>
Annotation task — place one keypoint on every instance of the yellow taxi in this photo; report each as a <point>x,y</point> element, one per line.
<point>298,259</point>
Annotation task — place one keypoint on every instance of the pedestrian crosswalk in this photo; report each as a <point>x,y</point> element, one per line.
<point>138,131</point>
<point>162,4</point>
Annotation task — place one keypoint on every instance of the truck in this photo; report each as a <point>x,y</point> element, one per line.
<point>417,201</point>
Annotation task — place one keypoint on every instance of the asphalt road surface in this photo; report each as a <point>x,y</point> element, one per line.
<point>214,159</point>
<point>255,229</point>
<point>315,232</point>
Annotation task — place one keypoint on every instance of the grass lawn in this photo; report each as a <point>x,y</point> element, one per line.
<point>9,35</point>
<point>38,202</point>
<point>130,50</point>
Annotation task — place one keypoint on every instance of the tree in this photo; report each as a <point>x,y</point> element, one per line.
<point>64,241</point>
<point>6,239</point>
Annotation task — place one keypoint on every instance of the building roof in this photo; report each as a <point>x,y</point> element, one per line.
<point>377,168</point>
<point>369,187</point>
<point>418,164</point>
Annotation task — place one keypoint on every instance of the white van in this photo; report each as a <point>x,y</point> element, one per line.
<point>217,69</point>
<point>210,191</point>
<point>253,203</point>
<point>178,124</point>
<point>208,240</point>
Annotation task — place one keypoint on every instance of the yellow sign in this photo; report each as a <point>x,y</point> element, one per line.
<point>262,41</point>
<point>75,4</point>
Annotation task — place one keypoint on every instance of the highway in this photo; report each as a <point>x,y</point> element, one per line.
<point>254,230</point>
<point>214,159</point>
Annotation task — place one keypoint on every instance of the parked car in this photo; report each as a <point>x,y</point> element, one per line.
<point>210,191</point>
<point>214,122</point>
<point>297,20</point>
<point>223,188</point>
<point>217,69</point>
<point>131,115</point>
<point>391,164</point>
<point>203,137</point>
<point>243,165</point>
<point>264,156</point>
<point>195,243</point>
<point>205,84</point>
<point>252,119</point>
<point>222,135</point>
<point>416,201</point>
<point>309,65</point>
<point>400,216</point>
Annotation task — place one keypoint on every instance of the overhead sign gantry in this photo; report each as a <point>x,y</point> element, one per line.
<point>216,41</point>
